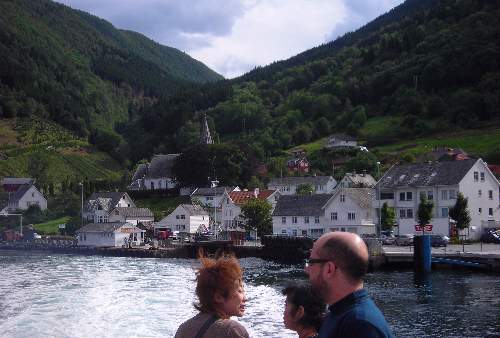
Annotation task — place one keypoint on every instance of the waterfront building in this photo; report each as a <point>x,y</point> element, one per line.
<point>156,175</point>
<point>289,185</point>
<point>211,198</point>
<point>402,185</point>
<point>347,209</point>
<point>232,221</point>
<point>22,196</point>
<point>187,219</point>
<point>131,215</point>
<point>98,207</point>
<point>115,234</point>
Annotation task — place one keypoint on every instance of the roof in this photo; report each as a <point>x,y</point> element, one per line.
<point>426,174</point>
<point>313,180</point>
<point>15,197</point>
<point>106,227</point>
<point>133,212</point>
<point>241,197</point>
<point>211,191</point>
<point>301,205</point>
<point>108,200</point>
<point>361,196</point>
<point>343,137</point>
<point>17,180</point>
<point>194,209</point>
<point>161,166</point>
<point>361,179</point>
<point>140,172</point>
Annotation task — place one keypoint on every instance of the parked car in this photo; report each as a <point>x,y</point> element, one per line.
<point>406,239</point>
<point>491,236</point>
<point>387,237</point>
<point>439,240</point>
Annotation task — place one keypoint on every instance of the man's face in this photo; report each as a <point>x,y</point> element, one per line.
<point>315,272</point>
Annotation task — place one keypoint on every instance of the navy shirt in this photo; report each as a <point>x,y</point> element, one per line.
<point>355,315</point>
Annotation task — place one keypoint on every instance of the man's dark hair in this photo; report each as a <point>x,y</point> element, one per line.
<point>346,258</point>
<point>303,295</point>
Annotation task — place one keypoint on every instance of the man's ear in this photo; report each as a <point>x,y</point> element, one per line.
<point>299,313</point>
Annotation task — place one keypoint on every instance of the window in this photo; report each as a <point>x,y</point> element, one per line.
<point>430,195</point>
<point>294,232</point>
<point>342,198</point>
<point>183,216</point>
<point>386,196</point>
<point>453,194</point>
<point>444,194</point>
<point>294,219</point>
<point>482,176</point>
<point>480,210</point>
<point>490,194</point>
<point>402,213</point>
<point>304,232</point>
<point>444,212</point>
<point>409,196</point>
<point>490,211</point>
<point>479,193</point>
<point>316,232</point>
<point>283,231</point>
<point>476,176</point>
<point>306,219</point>
<point>152,185</point>
<point>177,216</point>
<point>405,196</point>
<point>210,198</point>
<point>316,219</point>
<point>409,213</point>
<point>351,216</point>
<point>333,216</point>
<point>283,220</point>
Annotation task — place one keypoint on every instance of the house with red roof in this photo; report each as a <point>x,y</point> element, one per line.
<point>232,222</point>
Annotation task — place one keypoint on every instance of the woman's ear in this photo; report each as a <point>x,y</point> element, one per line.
<point>218,298</point>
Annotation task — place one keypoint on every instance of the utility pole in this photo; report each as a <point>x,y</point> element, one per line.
<point>81,185</point>
<point>379,207</point>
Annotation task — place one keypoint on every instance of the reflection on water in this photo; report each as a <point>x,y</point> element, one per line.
<point>44,295</point>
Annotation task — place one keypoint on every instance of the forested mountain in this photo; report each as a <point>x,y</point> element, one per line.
<point>426,67</point>
<point>78,70</point>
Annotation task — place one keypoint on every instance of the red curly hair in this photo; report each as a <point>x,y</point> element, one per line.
<point>222,274</point>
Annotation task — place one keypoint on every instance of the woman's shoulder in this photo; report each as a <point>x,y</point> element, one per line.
<point>230,328</point>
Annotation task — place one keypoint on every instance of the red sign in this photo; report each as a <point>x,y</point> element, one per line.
<point>427,228</point>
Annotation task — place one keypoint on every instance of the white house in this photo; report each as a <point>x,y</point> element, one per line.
<point>353,180</point>
<point>98,207</point>
<point>156,175</point>
<point>188,219</point>
<point>341,141</point>
<point>211,197</point>
<point>347,209</point>
<point>402,185</point>
<point>288,185</point>
<point>231,205</point>
<point>25,196</point>
<point>131,215</point>
<point>109,235</point>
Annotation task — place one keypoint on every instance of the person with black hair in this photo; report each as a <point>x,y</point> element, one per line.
<point>304,311</point>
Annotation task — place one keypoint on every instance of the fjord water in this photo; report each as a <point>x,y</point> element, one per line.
<point>50,295</point>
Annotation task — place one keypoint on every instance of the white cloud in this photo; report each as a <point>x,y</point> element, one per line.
<point>270,30</point>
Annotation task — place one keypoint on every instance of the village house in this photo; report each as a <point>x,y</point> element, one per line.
<point>22,195</point>
<point>232,222</point>
<point>131,215</point>
<point>298,163</point>
<point>98,207</point>
<point>347,209</point>
<point>289,185</point>
<point>187,219</point>
<point>115,234</point>
<point>156,175</point>
<point>353,180</point>
<point>441,182</point>
<point>341,141</point>
<point>210,197</point>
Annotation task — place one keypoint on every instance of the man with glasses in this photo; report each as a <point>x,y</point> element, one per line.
<point>336,267</point>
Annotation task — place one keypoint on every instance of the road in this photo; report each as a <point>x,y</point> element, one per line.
<point>480,248</point>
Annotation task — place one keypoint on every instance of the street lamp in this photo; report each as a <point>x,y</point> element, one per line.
<point>81,185</point>
<point>379,207</point>
<point>5,213</point>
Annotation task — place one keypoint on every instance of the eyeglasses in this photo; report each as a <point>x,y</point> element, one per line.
<point>310,261</point>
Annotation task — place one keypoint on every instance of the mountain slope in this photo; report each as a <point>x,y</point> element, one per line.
<point>78,70</point>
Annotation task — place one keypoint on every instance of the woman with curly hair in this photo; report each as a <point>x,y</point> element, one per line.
<point>220,292</point>
<point>304,311</point>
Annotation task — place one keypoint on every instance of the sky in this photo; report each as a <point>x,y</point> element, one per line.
<point>234,36</point>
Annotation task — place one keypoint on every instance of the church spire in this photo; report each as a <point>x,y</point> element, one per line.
<point>205,137</point>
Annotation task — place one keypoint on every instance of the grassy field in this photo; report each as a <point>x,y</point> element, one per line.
<point>163,206</point>
<point>69,157</point>
<point>51,227</point>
